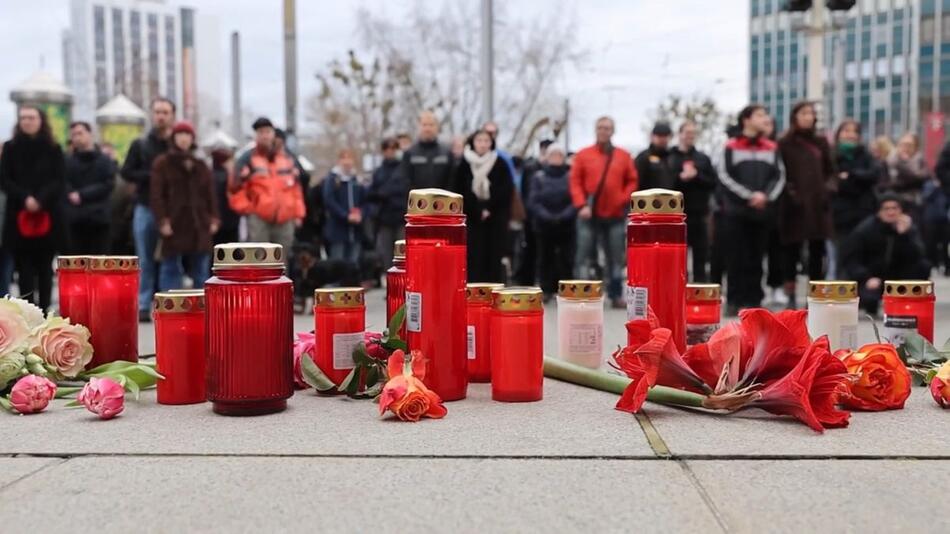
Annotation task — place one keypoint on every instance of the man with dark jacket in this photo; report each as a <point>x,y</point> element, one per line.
<point>752,182</point>
<point>653,166</point>
<point>552,219</point>
<point>387,199</point>
<point>696,178</point>
<point>90,178</point>
<point>428,163</point>
<point>137,170</point>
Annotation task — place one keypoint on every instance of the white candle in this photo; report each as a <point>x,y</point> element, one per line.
<point>580,322</point>
<point>833,312</point>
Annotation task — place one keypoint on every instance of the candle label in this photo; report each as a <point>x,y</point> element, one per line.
<point>585,338</point>
<point>637,298</point>
<point>413,311</point>
<point>471,342</point>
<point>343,347</point>
<point>848,337</point>
<point>896,328</point>
<point>699,333</point>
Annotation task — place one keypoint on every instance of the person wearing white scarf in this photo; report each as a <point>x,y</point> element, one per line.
<point>487,187</point>
<point>481,166</point>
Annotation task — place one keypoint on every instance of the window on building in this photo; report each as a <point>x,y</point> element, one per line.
<point>897,42</point>
<point>945,27</point>
<point>754,56</point>
<point>850,42</point>
<point>135,33</point>
<point>926,69</point>
<point>154,82</point>
<point>927,30</point>
<point>99,38</point>
<point>766,7</point>
<point>767,55</point>
<point>755,8</point>
<point>793,56</point>
<point>171,59</point>
<point>118,52</point>
<point>866,42</point>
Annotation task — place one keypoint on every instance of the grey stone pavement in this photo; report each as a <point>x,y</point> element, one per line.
<point>570,463</point>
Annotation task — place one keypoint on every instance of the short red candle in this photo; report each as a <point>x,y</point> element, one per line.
<point>396,285</point>
<point>517,345</point>
<point>180,346</point>
<point>656,260</point>
<point>72,278</point>
<point>113,309</point>
<point>340,320</point>
<point>435,288</point>
<point>908,307</point>
<point>479,330</point>
<point>703,312</point>
<point>250,330</point>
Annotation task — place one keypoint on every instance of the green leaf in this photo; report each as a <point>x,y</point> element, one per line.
<point>395,323</point>
<point>918,349</point>
<point>132,387</point>
<point>5,403</point>
<point>361,357</point>
<point>144,374</point>
<point>392,345</point>
<point>374,391</point>
<point>64,391</point>
<point>345,384</point>
<point>73,404</point>
<point>372,377</point>
<point>313,376</point>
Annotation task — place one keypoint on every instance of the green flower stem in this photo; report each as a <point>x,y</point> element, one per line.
<point>64,391</point>
<point>582,376</point>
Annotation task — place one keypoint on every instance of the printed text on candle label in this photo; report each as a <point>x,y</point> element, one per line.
<point>343,347</point>
<point>413,311</point>
<point>471,342</point>
<point>637,302</point>
<point>585,338</point>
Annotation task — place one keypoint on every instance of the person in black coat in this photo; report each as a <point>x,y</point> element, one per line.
<point>696,178</point>
<point>486,186</point>
<point>858,175</point>
<point>553,219</point>
<point>222,165</point>
<point>427,163</point>
<point>32,175</point>
<point>388,196</point>
<point>90,179</point>
<point>653,165</point>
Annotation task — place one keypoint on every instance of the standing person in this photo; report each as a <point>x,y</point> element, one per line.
<point>6,258</point>
<point>906,175</point>
<point>345,201</point>
<point>388,197</point>
<point>137,170</point>
<point>222,166</point>
<point>881,148</point>
<point>553,219</point>
<point>752,182</point>
<point>775,252</point>
<point>184,202</point>
<point>404,140</point>
<point>267,190</point>
<point>32,175</point>
<point>805,207</point>
<point>602,179</point>
<point>427,163</point>
<point>653,166</point>
<point>487,188</point>
<point>90,180</point>
<point>934,225</point>
<point>696,178</point>
<point>526,272</point>
<point>858,174</point>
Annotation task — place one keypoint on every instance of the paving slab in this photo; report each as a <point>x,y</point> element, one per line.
<point>828,495</point>
<point>921,429</point>
<point>14,469</point>
<point>356,495</point>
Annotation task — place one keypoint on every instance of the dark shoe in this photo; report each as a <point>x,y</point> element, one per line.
<point>145,316</point>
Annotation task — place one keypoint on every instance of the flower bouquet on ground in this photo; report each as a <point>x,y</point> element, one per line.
<point>929,365</point>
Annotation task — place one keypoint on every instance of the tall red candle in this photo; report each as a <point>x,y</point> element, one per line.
<point>478,347</point>
<point>340,320</point>
<point>72,278</point>
<point>656,260</point>
<point>517,344</point>
<point>250,329</point>
<point>113,309</point>
<point>435,288</point>
<point>703,312</point>
<point>396,284</point>
<point>908,307</point>
<point>180,355</point>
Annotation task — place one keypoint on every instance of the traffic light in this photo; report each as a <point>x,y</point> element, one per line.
<point>797,5</point>
<point>840,5</point>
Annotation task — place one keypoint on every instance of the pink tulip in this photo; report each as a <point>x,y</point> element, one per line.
<point>103,397</point>
<point>303,345</point>
<point>32,393</point>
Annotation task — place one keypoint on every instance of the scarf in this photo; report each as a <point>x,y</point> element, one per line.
<point>481,166</point>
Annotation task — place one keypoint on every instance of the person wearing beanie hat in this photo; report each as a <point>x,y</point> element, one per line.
<point>552,220</point>
<point>184,127</point>
<point>653,166</point>
<point>262,122</point>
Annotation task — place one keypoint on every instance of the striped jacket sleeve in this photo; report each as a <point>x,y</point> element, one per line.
<point>728,177</point>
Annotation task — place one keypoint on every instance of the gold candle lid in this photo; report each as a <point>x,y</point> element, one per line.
<point>703,292</point>
<point>241,255</point>
<point>481,291</point>
<point>399,248</point>
<point>339,297</point>
<point>580,289</point>
<point>179,301</point>
<point>113,263</point>
<point>434,202</point>
<point>656,201</point>
<point>517,299</point>
<point>833,290</point>
<point>908,288</point>
<point>73,263</point>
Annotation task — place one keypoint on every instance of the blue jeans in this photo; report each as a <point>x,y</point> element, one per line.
<point>611,235</point>
<point>146,239</point>
<point>347,251</point>
<point>171,271</point>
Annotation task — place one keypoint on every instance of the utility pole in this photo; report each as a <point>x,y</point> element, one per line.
<point>567,125</point>
<point>816,53</point>
<point>236,86</point>
<point>488,62</point>
<point>290,64</point>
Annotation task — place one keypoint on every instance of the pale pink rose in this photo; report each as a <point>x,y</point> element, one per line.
<point>31,394</point>
<point>14,330</point>
<point>303,345</point>
<point>63,346</point>
<point>31,312</point>
<point>103,397</point>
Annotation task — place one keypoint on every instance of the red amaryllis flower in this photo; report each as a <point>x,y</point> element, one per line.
<point>772,343</point>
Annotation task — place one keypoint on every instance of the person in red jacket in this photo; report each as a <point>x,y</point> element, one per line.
<point>602,179</point>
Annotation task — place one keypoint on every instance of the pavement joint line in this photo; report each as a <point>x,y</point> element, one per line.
<point>653,436</point>
<point>704,495</point>
<point>44,467</point>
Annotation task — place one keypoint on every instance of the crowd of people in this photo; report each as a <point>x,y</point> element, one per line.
<point>779,206</point>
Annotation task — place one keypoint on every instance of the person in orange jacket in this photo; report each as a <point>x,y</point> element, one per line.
<point>602,179</point>
<point>266,190</point>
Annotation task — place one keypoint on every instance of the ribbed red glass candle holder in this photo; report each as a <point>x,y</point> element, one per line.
<point>396,284</point>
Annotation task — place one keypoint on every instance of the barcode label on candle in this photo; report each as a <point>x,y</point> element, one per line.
<point>343,347</point>
<point>413,311</point>
<point>637,302</point>
<point>471,342</point>
<point>896,328</point>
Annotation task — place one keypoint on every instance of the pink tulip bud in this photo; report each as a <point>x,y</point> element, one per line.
<point>32,393</point>
<point>103,397</point>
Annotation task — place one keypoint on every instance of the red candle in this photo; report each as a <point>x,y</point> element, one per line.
<point>703,312</point>
<point>908,307</point>
<point>113,309</point>
<point>517,344</point>
<point>656,260</point>
<point>250,330</point>
<point>396,284</point>
<point>340,320</point>
<point>180,346</point>
<point>479,330</point>
<point>435,288</point>
<point>72,278</point>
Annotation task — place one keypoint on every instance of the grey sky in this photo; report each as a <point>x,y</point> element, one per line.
<point>639,51</point>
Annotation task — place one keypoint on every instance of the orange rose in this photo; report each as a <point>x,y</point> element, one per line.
<point>940,386</point>
<point>405,394</point>
<point>882,381</point>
